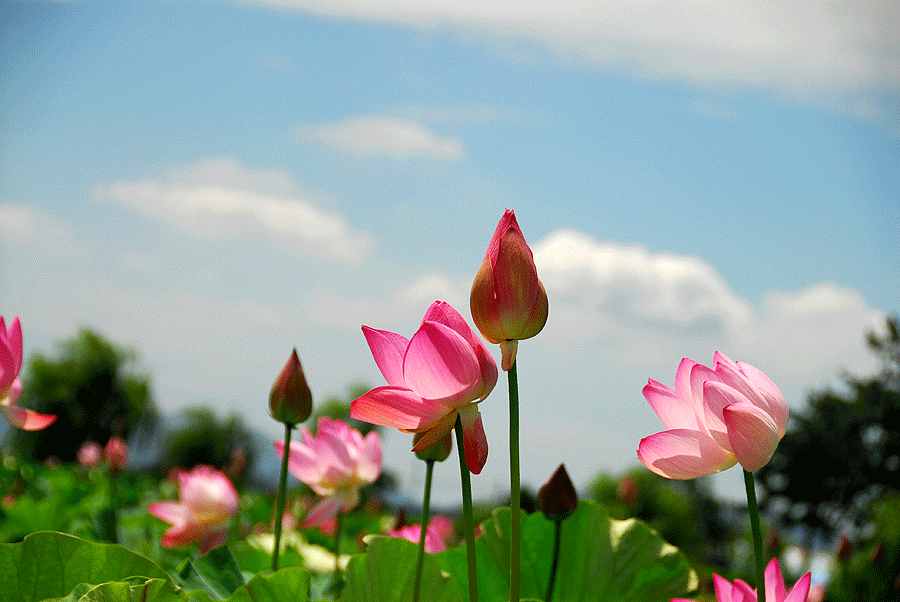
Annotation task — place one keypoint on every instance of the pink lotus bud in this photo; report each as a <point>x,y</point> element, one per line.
<point>89,454</point>
<point>557,499</point>
<point>508,301</point>
<point>116,454</point>
<point>207,503</point>
<point>11,386</point>
<point>627,491</point>
<point>291,400</point>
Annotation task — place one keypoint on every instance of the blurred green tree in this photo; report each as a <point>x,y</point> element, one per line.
<point>93,389</point>
<point>202,438</point>
<point>843,451</point>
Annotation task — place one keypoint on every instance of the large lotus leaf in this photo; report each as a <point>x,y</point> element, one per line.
<point>601,559</point>
<point>134,590</point>
<point>50,565</point>
<point>385,574</point>
<point>216,573</point>
<point>289,584</point>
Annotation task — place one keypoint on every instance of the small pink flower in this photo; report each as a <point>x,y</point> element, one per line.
<point>335,462</point>
<point>715,418</point>
<point>207,503</point>
<point>442,372</point>
<point>434,543</point>
<point>775,589</point>
<point>11,386</point>
<point>89,454</point>
<point>116,453</point>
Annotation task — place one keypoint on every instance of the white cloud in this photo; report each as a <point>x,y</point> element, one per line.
<point>222,198</point>
<point>33,227</point>
<point>799,48</point>
<point>385,136</point>
<point>643,307</point>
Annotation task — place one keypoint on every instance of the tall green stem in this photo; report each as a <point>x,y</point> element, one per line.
<point>753,509</point>
<point>282,493</point>
<point>468,520</point>
<point>337,552</point>
<point>557,537</point>
<point>515,494</point>
<point>423,524</point>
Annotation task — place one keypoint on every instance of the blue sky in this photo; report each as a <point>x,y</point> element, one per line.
<point>214,183</point>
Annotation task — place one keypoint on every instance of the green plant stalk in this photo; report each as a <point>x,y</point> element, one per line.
<point>423,524</point>
<point>282,493</point>
<point>113,504</point>
<point>515,492</point>
<point>753,509</point>
<point>469,522</point>
<point>337,552</point>
<point>557,537</point>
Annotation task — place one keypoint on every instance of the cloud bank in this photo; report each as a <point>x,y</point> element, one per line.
<point>222,198</point>
<point>383,136</point>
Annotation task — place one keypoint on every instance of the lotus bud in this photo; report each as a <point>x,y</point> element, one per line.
<point>437,452</point>
<point>508,301</point>
<point>557,499</point>
<point>291,400</point>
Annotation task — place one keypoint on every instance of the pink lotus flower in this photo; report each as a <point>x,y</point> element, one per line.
<point>208,502</point>
<point>442,372</point>
<point>715,418</point>
<point>89,454</point>
<point>775,589</point>
<point>11,386</point>
<point>508,301</point>
<point>335,462</point>
<point>434,541</point>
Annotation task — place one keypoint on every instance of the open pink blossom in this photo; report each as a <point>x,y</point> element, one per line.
<point>740,591</point>
<point>714,418</point>
<point>89,454</point>
<point>11,386</point>
<point>434,540</point>
<point>207,503</point>
<point>442,372</point>
<point>335,462</point>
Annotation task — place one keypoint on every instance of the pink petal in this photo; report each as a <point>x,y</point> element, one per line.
<point>778,407</point>
<point>212,539</point>
<point>753,434</point>
<point>388,349</point>
<point>440,365</point>
<point>683,381</point>
<point>730,373</point>
<point>303,463</point>
<point>716,397</point>
<point>800,591</point>
<point>27,420</point>
<point>443,313</point>
<point>173,513</point>
<point>683,454</point>
<point>396,407</point>
<point>474,439</point>
<point>321,512</point>
<point>675,412</point>
<point>181,535</point>
<point>722,587</point>
<point>775,590</point>
<point>742,592</point>
<point>369,465</point>
<point>437,431</point>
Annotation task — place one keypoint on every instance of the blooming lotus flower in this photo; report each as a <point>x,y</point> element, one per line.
<point>11,386</point>
<point>434,542</point>
<point>715,418</point>
<point>335,462</point>
<point>508,301</point>
<point>442,372</point>
<point>207,503</point>
<point>291,400</point>
<point>775,589</point>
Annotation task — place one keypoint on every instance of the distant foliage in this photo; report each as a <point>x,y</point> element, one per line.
<point>203,438</point>
<point>94,390</point>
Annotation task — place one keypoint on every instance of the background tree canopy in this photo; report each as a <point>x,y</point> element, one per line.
<point>93,389</point>
<point>843,451</point>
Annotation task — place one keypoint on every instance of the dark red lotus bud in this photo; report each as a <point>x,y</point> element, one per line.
<point>558,499</point>
<point>291,400</point>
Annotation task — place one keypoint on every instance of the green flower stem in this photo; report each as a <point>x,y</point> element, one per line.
<point>423,524</point>
<point>337,551</point>
<point>467,512</point>
<point>753,509</point>
<point>515,493</point>
<point>557,537</point>
<point>113,526</point>
<point>282,493</point>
